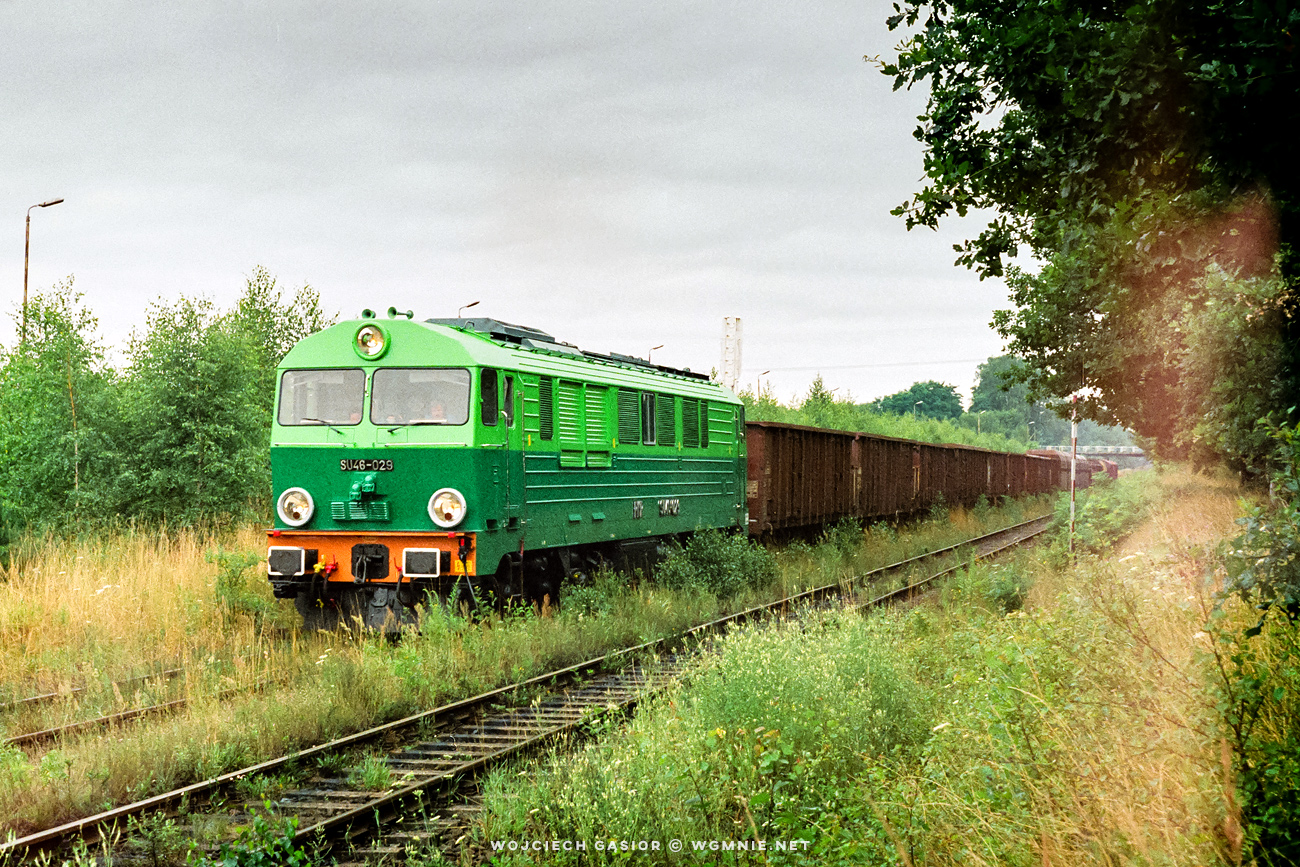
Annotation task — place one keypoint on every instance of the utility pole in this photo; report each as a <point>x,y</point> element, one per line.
<point>731,335</point>
<point>1074,456</point>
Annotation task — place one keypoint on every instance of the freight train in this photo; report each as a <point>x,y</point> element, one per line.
<point>468,457</point>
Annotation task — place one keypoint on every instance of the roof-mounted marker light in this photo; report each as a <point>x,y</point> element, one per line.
<point>370,342</point>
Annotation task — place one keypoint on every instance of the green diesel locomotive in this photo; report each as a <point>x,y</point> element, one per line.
<point>467,457</point>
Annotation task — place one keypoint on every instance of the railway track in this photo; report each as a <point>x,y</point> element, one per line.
<point>430,759</point>
<point>32,701</point>
<point>53,733</point>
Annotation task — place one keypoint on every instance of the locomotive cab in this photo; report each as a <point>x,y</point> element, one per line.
<point>389,458</point>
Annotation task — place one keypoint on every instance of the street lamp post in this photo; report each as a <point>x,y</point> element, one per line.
<point>466,307</point>
<point>916,413</point>
<point>651,353</point>
<point>27,248</point>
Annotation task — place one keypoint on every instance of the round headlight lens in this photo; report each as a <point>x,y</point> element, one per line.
<point>370,342</point>
<point>295,507</point>
<point>447,508</point>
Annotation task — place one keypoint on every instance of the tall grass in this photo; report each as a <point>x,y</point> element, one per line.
<point>767,733</point>
<point>92,612</point>
<point>1038,714</point>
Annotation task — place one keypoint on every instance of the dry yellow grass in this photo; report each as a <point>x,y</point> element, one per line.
<point>78,612</point>
<point>1116,740</point>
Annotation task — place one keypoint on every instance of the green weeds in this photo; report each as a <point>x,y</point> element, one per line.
<point>373,773</point>
<point>1104,513</point>
<point>722,564</point>
<point>768,735</point>
<point>1036,714</point>
<point>266,842</point>
<point>232,588</point>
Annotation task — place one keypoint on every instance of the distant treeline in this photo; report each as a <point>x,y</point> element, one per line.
<point>1000,417</point>
<point>174,433</point>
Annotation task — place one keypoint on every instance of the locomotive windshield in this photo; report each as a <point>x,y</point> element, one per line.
<point>335,397</point>
<point>420,396</point>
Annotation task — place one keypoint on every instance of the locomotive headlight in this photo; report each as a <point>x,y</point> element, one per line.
<point>295,507</point>
<point>370,342</point>
<point>447,508</point>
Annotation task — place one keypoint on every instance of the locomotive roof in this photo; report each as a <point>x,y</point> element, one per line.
<point>536,339</point>
<point>482,341</point>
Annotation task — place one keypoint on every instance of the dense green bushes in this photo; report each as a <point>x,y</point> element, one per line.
<point>177,434</point>
<point>1104,513</point>
<point>1259,664</point>
<point>720,563</point>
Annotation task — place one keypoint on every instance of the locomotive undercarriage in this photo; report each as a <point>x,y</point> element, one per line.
<point>535,578</point>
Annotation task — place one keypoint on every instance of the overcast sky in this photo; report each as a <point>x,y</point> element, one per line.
<point>621,175</point>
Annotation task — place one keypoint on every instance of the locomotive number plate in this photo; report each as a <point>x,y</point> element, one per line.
<point>366,465</point>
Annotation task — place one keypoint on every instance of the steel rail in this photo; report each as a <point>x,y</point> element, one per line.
<point>120,717</point>
<point>8,706</point>
<point>52,837</point>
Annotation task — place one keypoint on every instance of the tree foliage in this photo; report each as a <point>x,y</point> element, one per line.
<point>930,399</point>
<point>192,421</point>
<point>996,388</point>
<point>1140,152</point>
<point>821,407</point>
<point>178,435</point>
<point>56,414</point>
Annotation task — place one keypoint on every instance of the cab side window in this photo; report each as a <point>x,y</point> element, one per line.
<point>488,394</point>
<point>648,418</point>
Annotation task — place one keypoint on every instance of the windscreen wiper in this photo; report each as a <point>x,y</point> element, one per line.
<point>328,424</point>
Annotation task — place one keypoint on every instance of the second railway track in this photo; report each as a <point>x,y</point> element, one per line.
<point>429,757</point>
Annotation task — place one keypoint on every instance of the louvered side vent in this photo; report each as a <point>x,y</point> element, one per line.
<point>721,425</point>
<point>598,435</point>
<point>546,407</point>
<point>600,439</point>
<point>665,420</point>
<point>690,423</point>
<point>629,416</point>
<point>569,420</point>
<point>704,423</point>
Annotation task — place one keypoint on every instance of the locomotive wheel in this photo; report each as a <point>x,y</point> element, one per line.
<point>317,613</point>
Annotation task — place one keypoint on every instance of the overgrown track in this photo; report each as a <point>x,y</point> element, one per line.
<point>432,753</point>
<point>112,719</point>
<point>48,697</point>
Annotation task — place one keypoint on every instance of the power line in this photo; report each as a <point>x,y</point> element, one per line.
<point>878,364</point>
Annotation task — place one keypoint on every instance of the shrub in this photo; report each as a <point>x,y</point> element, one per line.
<point>720,563</point>
<point>844,537</point>
<point>1104,513</point>
<point>265,843</point>
<point>1260,664</point>
<point>232,586</point>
